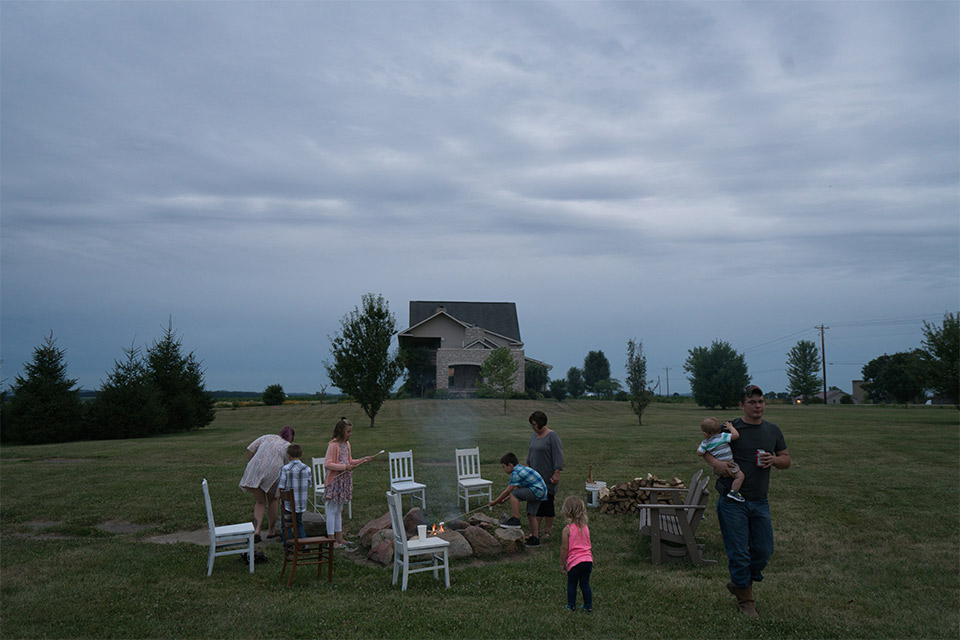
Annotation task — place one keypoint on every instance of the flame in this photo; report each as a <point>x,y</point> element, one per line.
<point>434,530</point>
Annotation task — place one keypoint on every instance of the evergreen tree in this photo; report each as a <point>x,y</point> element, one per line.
<point>596,367</point>
<point>717,375</point>
<point>127,405</point>
<point>363,366</point>
<point>178,381</point>
<point>803,364</point>
<point>499,373</point>
<point>640,396</point>
<point>45,407</point>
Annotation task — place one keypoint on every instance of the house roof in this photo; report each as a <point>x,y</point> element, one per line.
<point>497,317</point>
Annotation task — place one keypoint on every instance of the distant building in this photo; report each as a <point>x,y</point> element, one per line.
<point>457,338</point>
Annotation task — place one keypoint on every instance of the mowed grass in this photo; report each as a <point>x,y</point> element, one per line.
<point>867,525</point>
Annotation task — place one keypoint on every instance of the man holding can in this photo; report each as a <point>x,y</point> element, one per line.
<point>746,526</point>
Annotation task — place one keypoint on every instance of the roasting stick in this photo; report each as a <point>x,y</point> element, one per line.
<point>376,454</point>
<point>463,514</point>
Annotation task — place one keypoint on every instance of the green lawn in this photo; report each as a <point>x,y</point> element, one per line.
<point>867,525</point>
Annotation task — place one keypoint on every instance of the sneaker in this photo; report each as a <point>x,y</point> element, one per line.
<point>735,496</point>
<point>510,523</point>
<point>532,542</point>
<point>569,608</point>
<point>587,610</point>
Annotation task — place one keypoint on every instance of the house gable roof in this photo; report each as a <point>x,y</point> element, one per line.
<point>495,317</point>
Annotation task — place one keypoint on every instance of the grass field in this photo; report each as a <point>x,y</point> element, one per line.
<point>867,525</point>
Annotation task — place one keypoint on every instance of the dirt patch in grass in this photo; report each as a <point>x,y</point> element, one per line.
<point>116,526</point>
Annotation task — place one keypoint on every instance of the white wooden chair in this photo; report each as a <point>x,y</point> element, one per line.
<point>403,550</point>
<point>401,477</point>
<point>315,501</point>
<point>469,482</point>
<point>227,539</point>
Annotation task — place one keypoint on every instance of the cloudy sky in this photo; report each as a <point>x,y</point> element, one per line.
<point>673,172</point>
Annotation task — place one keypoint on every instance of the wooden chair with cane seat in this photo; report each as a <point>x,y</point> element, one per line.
<point>297,551</point>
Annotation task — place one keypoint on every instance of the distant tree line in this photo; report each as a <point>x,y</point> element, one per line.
<point>159,391</point>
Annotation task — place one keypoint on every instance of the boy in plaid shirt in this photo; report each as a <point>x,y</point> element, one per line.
<point>296,476</point>
<point>527,485</point>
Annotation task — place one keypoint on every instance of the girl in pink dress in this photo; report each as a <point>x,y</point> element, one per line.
<point>338,484</point>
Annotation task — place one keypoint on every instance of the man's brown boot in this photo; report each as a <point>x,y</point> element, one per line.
<point>745,601</point>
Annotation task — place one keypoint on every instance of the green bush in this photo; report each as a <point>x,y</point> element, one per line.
<point>273,395</point>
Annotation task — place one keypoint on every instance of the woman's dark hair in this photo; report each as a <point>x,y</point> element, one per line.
<point>287,434</point>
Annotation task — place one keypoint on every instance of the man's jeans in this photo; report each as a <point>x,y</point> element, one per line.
<point>747,537</point>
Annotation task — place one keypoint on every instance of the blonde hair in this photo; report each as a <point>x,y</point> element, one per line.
<point>710,426</point>
<point>574,511</point>
<point>340,430</point>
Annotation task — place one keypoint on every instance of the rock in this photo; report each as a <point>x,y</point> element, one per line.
<point>413,518</point>
<point>382,552</point>
<point>456,525</point>
<point>314,524</point>
<point>380,536</point>
<point>482,543</point>
<point>459,547</point>
<point>366,533</point>
<point>512,540</point>
<point>482,518</point>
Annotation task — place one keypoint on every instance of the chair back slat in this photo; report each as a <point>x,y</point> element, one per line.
<point>319,471</point>
<point>401,466</point>
<point>700,496</point>
<point>288,519</point>
<point>206,500</point>
<point>396,520</point>
<point>693,485</point>
<point>468,463</point>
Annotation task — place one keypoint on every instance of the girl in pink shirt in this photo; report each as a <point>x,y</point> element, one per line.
<point>576,553</point>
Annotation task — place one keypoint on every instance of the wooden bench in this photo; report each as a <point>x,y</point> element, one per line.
<point>672,528</point>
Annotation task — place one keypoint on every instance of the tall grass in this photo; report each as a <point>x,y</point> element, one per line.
<point>867,525</point>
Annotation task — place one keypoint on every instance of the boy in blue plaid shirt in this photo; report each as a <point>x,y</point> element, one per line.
<point>296,476</point>
<point>527,485</point>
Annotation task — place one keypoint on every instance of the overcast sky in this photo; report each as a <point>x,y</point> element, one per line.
<point>673,172</point>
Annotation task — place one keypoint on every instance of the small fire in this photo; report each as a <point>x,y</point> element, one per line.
<point>436,530</point>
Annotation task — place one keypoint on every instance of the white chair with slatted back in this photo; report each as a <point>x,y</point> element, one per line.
<point>403,550</point>
<point>401,477</point>
<point>227,539</point>
<point>469,482</point>
<point>316,498</point>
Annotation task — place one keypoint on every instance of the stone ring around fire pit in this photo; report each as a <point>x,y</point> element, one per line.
<point>479,536</point>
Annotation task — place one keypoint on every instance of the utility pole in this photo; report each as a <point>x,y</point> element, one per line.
<point>823,356</point>
<point>667,369</point>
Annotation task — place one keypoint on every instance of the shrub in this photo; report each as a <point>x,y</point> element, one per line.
<point>273,395</point>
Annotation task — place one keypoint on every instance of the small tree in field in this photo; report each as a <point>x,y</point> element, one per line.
<point>273,395</point>
<point>45,407</point>
<point>803,363</point>
<point>640,396</point>
<point>363,366</point>
<point>717,375</point>
<point>499,372</point>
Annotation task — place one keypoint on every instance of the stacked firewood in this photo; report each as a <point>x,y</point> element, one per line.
<point>623,497</point>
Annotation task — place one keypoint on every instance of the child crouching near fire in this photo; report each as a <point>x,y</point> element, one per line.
<point>576,552</point>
